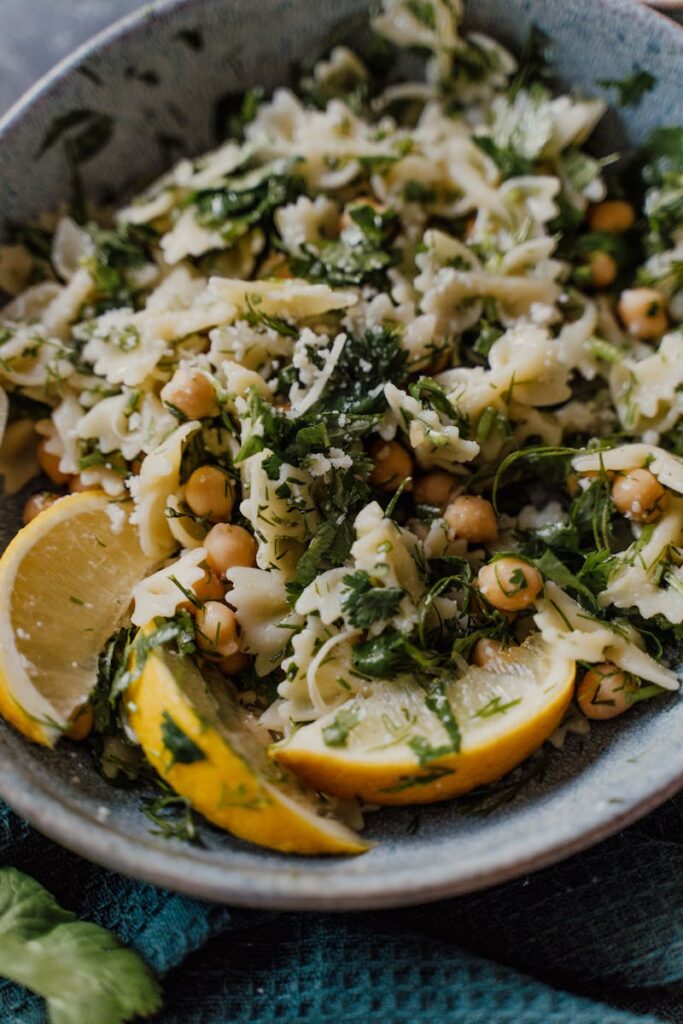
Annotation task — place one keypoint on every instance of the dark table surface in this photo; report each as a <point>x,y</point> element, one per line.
<point>35,34</point>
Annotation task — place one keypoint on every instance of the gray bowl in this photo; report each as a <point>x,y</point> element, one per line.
<point>159,74</point>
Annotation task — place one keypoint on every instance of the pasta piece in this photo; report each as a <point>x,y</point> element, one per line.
<point>162,593</point>
<point>575,633</point>
<point>264,615</point>
<point>159,478</point>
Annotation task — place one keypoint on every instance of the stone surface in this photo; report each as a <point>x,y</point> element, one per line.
<point>36,34</point>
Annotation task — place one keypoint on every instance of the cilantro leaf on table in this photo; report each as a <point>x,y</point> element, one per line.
<point>82,970</point>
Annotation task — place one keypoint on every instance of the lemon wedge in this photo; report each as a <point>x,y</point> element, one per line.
<point>65,584</point>
<point>399,743</point>
<point>198,738</point>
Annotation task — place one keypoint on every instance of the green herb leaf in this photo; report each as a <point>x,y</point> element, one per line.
<point>337,734</point>
<point>632,88</point>
<point>182,749</point>
<point>365,603</point>
<point>83,971</point>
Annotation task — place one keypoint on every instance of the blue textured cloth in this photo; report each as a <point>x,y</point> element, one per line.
<point>596,940</point>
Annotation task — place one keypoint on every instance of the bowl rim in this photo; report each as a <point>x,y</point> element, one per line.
<point>272,887</point>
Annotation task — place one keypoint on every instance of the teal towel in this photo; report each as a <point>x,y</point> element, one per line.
<point>595,940</point>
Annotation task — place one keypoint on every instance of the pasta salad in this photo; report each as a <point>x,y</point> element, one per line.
<point>390,385</point>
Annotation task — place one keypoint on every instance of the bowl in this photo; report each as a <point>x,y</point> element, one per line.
<point>161,75</point>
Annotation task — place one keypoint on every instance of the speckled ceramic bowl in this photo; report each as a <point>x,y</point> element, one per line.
<point>159,74</point>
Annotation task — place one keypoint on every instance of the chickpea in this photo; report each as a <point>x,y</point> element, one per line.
<point>210,492</point>
<point>433,488</point>
<point>614,215</point>
<point>217,629</point>
<point>49,464</point>
<point>639,496</point>
<point>603,269</point>
<point>234,664</point>
<point>190,391</point>
<point>37,503</point>
<point>472,517</point>
<point>485,650</point>
<point>510,584</point>
<point>81,723</point>
<point>209,588</point>
<point>227,546</point>
<point>605,691</point>
<point>643,312</point>
<point>392,464</point>
<point>275,265</point>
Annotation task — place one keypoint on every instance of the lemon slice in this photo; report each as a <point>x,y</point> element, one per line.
<point>65,583</point>
<point>195,734</point>
<point>397,743</point>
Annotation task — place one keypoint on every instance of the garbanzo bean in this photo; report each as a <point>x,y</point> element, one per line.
<point>234,664</point>
<point>510,584</point>
<point>603,269</point>
<point>190,391</point>
<point>49,464</point>
<point>227,546</point>
<point>37,503</point>
<point>471,517</point>
<point>639,496</point>
<point>217,629</point>
<point>485,650</point>
<point>614,215</point>
<point>643,313</point>
<point>433,488</point>
<point>392,464</point>
<point>210,492</point>
<point>605,691</point>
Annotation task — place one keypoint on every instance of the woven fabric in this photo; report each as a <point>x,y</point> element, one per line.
<point>596,940</point>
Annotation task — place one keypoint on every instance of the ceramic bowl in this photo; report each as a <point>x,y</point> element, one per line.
<point>160,75</point>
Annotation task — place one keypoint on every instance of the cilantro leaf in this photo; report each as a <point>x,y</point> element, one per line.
<point>182,749</point>
<point>83,971</point>
<point>341,262</point>
<point>367,604</point>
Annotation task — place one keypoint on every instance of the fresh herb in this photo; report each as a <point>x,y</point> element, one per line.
<point>233,111</point>
<point>496,706</point>
<point>533,63</point>
<point>438,703</point>
<point>663,174</point>
<point>83,971</point>
<point>391,654</point>
<point>243,202</point>
<point>337,734</point>
<point>117,252</point>
<point>171,816</point>
<point>510,163</point>
<point>365,365</point>
<point>365,603</point>
<point>360,261</point>
<point>632,88</point>
<point>182,749</point>
<point>409,781</point>
<point>258,318</point>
